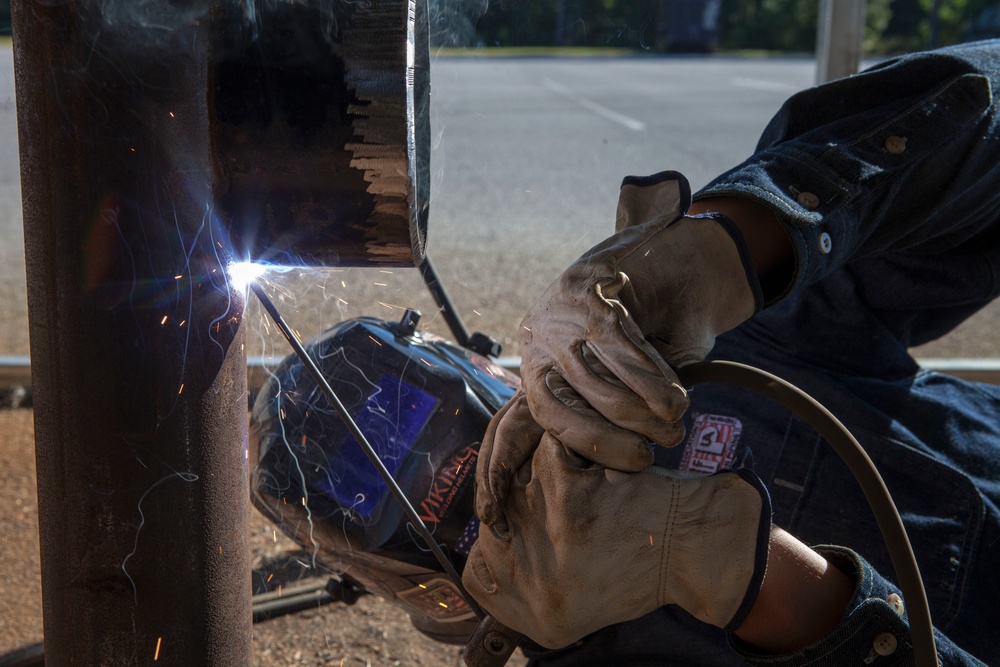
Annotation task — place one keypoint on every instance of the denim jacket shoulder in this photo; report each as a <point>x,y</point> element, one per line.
<point>902,157</point>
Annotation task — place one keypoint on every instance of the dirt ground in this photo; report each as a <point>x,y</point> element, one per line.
<point>372,633</point>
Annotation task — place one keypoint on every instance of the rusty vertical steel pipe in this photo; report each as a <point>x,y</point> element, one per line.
<point>138,361</point>
<point>151,131</point>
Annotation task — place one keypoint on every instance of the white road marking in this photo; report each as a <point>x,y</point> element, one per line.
<point>590,105</point>
<point>759,84</point>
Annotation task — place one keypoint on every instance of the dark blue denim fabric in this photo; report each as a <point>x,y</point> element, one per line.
<point>915,251</point>
<point>935,440</point>
<point>939,194</point>
<point>871,616</point>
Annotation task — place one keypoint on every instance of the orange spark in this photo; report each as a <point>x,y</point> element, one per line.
<point>156,655</point>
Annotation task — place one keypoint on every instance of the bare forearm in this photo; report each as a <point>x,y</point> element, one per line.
<point>802,598</point>
<point>768,243</point>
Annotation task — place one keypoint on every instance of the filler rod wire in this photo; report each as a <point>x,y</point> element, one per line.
<point>369,451</point>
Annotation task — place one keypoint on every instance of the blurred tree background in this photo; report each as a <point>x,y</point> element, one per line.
<point>4,17</point>
<point>892,26</point>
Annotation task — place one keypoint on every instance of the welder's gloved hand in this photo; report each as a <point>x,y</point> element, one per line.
<point>577,547</point>
<point>512,435</point>
<point>595,347</point>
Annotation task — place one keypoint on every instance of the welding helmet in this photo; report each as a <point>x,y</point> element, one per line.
<point>424,404</point>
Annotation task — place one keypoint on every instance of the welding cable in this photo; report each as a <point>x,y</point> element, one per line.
<point>850,450</point>
<point>369,451</point>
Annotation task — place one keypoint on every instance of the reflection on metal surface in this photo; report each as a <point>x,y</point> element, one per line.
<point>321,131</point>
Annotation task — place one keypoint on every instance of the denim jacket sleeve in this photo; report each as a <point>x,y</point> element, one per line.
<point>874,630</point>
<point>902,157</point>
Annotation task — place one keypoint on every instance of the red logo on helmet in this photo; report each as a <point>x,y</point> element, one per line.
<point>448,482</point>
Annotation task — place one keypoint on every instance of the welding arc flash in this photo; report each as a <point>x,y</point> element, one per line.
<point>243,273</point>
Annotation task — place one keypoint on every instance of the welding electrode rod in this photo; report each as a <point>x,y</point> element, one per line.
<point>441,298</point>
<point>370,452</point>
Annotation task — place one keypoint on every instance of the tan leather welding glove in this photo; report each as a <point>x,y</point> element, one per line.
<point>577,547</point>
<point>591,374</point>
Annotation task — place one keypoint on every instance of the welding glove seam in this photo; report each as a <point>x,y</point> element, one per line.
<point>760,551</point>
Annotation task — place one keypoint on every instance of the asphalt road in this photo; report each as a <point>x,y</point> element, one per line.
<point>526,161</point>
<point>13,309</point>
<point>529,155</point>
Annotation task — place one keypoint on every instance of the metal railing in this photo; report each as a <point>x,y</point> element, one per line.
<point>15,371</point>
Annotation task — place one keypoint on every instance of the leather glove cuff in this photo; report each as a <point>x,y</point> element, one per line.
<point>741,246</point>
<point>716,547</point>
<point>760,553</point>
